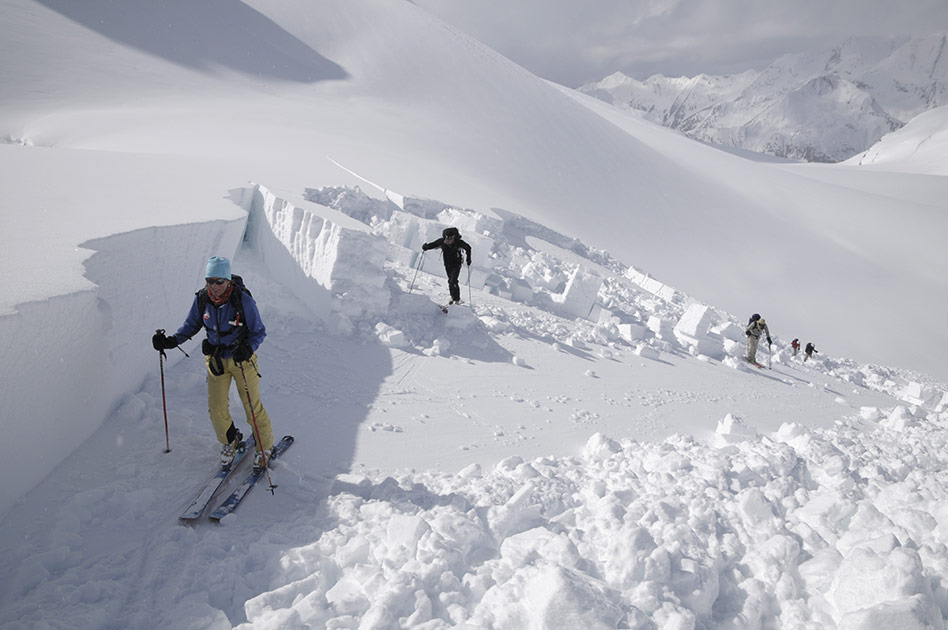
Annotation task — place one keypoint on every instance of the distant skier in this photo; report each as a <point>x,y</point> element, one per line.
<point>453,251</point>
<point>795,344</point>
<point>756,327</point>
<point>234,332</point>
<point>809,350</point>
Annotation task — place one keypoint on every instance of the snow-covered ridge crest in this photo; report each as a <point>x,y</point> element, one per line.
<point>817,108</point>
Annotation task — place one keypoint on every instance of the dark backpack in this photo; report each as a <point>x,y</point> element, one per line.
<point>235,300</point>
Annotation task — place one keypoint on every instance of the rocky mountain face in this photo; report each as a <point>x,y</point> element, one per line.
<point>814,107</point>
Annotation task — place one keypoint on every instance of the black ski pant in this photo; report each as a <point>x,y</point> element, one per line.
<point>453,286</point>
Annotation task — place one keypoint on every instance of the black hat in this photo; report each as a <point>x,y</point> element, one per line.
<point>451,231</point>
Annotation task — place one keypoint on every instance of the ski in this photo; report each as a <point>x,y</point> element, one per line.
<point>230,503</point>
<point>204,497</point>
<point>444,307</point>
<point>756,364</point>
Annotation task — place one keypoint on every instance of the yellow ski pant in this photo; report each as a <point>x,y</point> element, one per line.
<point>218,403</point>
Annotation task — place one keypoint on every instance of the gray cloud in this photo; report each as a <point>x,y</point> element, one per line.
<point>576,41</point>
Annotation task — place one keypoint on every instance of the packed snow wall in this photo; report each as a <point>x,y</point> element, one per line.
<point>330,261</point>
<point>79,354</point>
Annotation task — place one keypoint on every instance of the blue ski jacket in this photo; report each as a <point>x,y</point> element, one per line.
<point>221,325</point>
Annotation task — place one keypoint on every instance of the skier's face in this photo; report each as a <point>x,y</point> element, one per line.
<point>216,287</point>
<point>448,239</point>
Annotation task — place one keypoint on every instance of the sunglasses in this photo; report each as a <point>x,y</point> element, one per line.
<point>217,280</point>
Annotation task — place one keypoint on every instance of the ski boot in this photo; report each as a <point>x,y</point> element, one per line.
<point>258,459</point>
<point>229,451</point>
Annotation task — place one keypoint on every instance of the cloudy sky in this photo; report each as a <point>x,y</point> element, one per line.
<point>577,41</point>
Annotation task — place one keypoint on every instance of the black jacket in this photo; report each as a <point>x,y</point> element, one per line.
<point>453,254</point>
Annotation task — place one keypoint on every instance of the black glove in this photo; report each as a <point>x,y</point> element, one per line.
<point>242,353</point>
<point>468,261</point>
<point>160,342</point>
<point>769,341</point>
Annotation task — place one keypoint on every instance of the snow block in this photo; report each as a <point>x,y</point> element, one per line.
<point>631,332</point>
<point>899,419</point>
<point>732,429</point>
<point>402,537</point>
<point>652,285</point>
<point>390,336</point>
<point>866,579</point>
<point>912,613</point>
<point>942,403</point>
<point>692,331</point>
<point>540,543</point>
<point>647,352</point>
<point>662,328</point>
<point>599,447</point>
<point>580,295</point>
<point>729,330</point>
<point>919,394</point>
<point>561,598</point>
<point>461,318</point>
<point>518,514</point>
<point>696,321</point>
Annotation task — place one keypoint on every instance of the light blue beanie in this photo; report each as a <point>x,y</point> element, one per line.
<point>217,267</point>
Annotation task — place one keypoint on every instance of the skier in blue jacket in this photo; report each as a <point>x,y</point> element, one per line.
<point>234,332</point>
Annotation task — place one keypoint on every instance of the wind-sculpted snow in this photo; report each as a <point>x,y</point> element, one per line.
<point>800,529</point>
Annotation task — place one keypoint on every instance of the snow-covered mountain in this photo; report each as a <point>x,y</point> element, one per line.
<point>580,445</point>
<point>816,108</point>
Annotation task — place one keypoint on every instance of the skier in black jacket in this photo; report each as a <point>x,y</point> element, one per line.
<point>453,250</point>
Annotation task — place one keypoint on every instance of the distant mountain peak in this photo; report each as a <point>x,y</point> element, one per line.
<point>812,107</point>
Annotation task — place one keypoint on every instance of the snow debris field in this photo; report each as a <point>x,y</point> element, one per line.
<point>799,529</point>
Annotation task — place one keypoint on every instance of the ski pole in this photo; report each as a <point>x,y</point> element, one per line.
<point>417,267</point>
<point>164,404</point>
<point>256,431</point>
<point>770,353</point>
<point>469,301</point>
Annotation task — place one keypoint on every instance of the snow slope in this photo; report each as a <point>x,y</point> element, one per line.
<point>137,154</point>
<point>919,147</point>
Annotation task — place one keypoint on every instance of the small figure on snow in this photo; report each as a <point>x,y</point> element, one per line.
<point>453,251</point>
<point>756,327</point>
<point>226,310</point>
<point>809,350</point>
<point>795,344</point>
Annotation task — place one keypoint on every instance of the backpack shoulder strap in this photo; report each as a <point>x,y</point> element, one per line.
<point>201,299</point>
